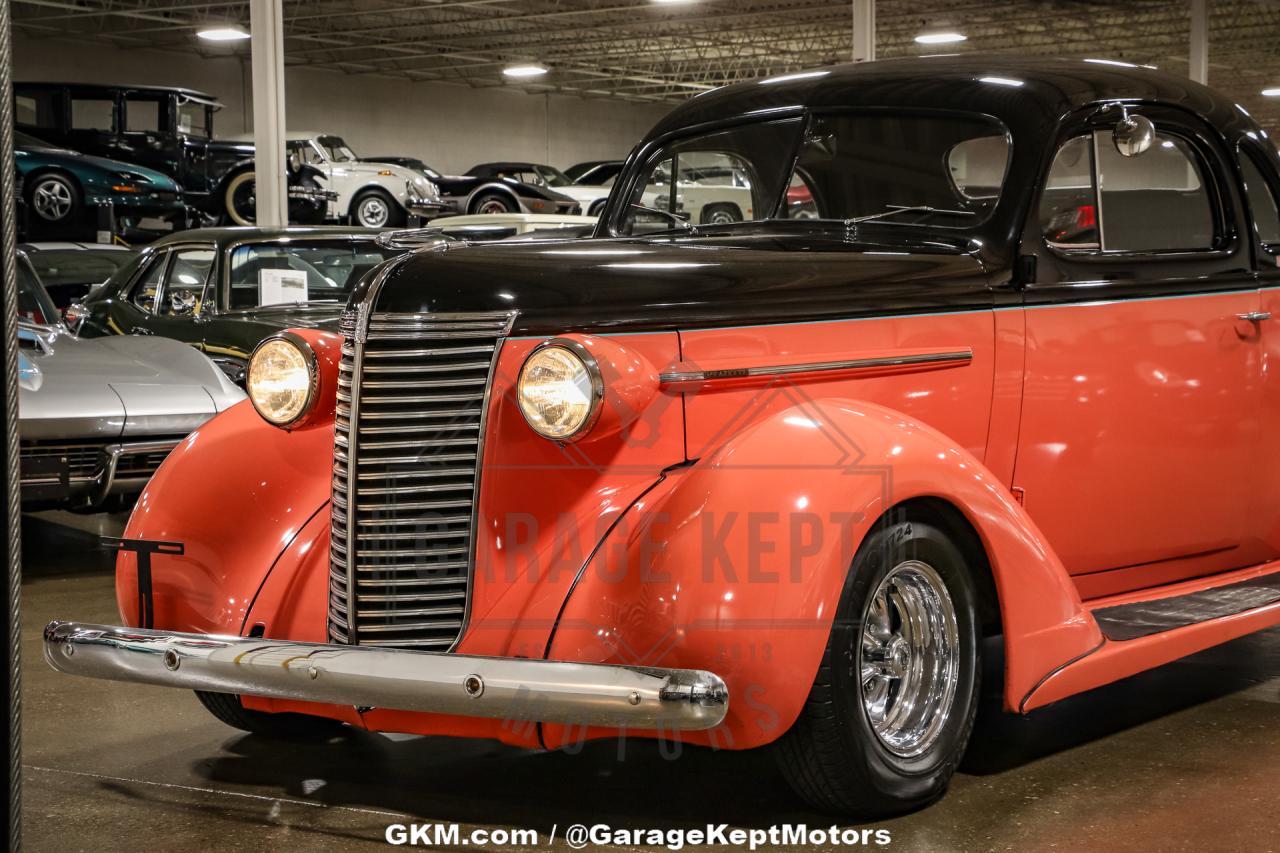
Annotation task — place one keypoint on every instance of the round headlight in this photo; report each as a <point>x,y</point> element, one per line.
<point>282,379</point>
<point>560,390</point>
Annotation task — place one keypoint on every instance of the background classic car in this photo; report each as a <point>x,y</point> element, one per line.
<point>590,197</point>
<point>163,128</point>
<point>70,270</point>
<point>219,289</point>
<point>61,187</point>
<point>368,194</point>
<point>98,417</point>
<point>987,431</point>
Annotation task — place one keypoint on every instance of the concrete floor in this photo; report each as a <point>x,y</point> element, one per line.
<point>1185,758</point>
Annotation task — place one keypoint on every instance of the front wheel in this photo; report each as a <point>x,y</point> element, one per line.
<point>54,198</point>
<point>723,213</point>
<point>376,209</point>
<point>239,199</point>
<point>493,203</point>
<point>228,708</point>
<point>894,701</point>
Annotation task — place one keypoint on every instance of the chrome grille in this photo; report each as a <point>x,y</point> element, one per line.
<point>409,427</point>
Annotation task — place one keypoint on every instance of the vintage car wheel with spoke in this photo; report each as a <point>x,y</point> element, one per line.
<point>227,708</point>
<point>893,704</point>
<point>375,209</point>
<point>239,200</point>
<point>493,203</point>
<point>720,214</point>
<point>54,198</point>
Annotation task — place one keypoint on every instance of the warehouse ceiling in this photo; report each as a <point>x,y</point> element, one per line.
<point>664,51</point>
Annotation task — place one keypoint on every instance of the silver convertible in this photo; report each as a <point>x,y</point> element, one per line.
<point>97,417</point>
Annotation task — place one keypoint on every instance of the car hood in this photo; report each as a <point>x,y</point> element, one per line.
<point>740,277</point>
<point>72,160</point>
<point>117,386</point>
<point>362,167</point>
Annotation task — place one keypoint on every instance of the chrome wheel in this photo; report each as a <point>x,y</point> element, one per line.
<point>492,205</point>
<point>909,659</point>
<point>372,212</point>
<point>52,199</point>
<point>721,216</point>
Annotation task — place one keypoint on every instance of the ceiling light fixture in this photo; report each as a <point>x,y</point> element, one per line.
<point>941,38</point>
<point>1273,92</point>
<point>223,34</point>
<point>524,70</point>
<point>1002,81</point>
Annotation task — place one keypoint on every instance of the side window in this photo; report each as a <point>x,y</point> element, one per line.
<point>37,109</point>
<point>1095,198</point>
<point>93,114</point>
<point>185,282</point>
<point>1262,201</point>
<point>147,287</point>
<point>142,115</point>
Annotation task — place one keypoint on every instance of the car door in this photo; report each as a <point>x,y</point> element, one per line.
<point>176,276</point>
<point>1260,172</point>
<point>147,136</point>
<point>1140,428</point>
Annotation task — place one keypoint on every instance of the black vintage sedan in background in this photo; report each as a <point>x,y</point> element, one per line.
<point>223,290</point>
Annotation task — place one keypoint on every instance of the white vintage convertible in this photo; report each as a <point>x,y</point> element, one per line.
<point>371,195</point>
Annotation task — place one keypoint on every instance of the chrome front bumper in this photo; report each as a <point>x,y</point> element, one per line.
<point>364,676</point>
<point>106,480</point>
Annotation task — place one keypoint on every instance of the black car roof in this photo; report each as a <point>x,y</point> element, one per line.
<point>192,93</point>
<point>235,234</point>
<point>486,168</point>
<point>1011,88</point>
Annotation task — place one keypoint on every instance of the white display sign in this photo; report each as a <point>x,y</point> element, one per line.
<point>276,287</point>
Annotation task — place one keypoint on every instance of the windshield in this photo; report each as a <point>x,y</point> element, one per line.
<point>311,271</point>
<point>551,176</point>
<point>599,176</point>
<point>59,267</point>
<point>336,149</point>
<point>34,303</point>
<point>901,168</point>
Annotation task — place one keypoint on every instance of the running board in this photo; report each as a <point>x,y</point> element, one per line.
<point>1143,633</point>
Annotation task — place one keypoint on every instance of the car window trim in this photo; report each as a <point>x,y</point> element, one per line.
<point>1249,148</point>
<point>229,249</point>
<point>173,249</point>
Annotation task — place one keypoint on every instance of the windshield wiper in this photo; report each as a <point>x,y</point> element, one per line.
<point>674,218</point>
<point>895,209</point>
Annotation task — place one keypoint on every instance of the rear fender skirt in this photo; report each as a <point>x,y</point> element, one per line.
<point>737,562</point>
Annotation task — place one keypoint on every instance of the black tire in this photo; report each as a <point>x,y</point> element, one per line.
<point>227,708</point>
<point>493,202</point>
<point>237,199</point>
<point>376,199</point>
<point>720,213</point>
<point>832,755</point>
<point>596,207</point>
<point>53,199</point>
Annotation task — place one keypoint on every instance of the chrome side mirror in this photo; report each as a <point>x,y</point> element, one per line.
<point>1133,135</point>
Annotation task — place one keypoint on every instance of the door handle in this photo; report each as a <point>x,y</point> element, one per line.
<point>1254,316</point>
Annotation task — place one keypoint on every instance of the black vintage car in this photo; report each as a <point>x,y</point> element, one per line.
<point>164,128</point>
<point>485,189</point>
<point>223,290</point>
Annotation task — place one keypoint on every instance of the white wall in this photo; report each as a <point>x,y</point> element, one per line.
<point>451,127</point>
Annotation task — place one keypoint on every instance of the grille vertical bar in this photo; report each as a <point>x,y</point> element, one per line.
<point>413,392</point>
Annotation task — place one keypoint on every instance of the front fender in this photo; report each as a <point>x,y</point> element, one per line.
<point>737,563</point>
<point>236,493</point>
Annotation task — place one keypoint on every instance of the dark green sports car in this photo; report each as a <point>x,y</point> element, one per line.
<point>223,290</point>
<point>61,186</point>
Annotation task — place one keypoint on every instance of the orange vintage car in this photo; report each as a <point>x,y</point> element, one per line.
<point>764,482</point>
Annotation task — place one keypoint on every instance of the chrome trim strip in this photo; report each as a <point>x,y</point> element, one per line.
<point>678,378</point>
<point>395,679</point>
<point>106,478</point>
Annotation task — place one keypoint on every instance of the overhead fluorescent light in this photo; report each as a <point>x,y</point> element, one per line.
<point>940,38</point>
<point>1273,92</point>
<point>529,70</point>
<point>223,34</point>
<point>1111,62</point>
<point>1001,81</point>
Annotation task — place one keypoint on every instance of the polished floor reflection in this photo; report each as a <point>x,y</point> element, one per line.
<point>1186,757</point>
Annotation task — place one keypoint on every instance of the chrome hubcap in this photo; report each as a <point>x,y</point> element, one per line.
<point>51,199</point>
<point>493,206</point>
<point>721,217</point>
<point>373,213</point>
<point>909,659</point>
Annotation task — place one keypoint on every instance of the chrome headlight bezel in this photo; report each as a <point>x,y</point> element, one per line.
<point>312,385</point>
<point>592,369</point>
